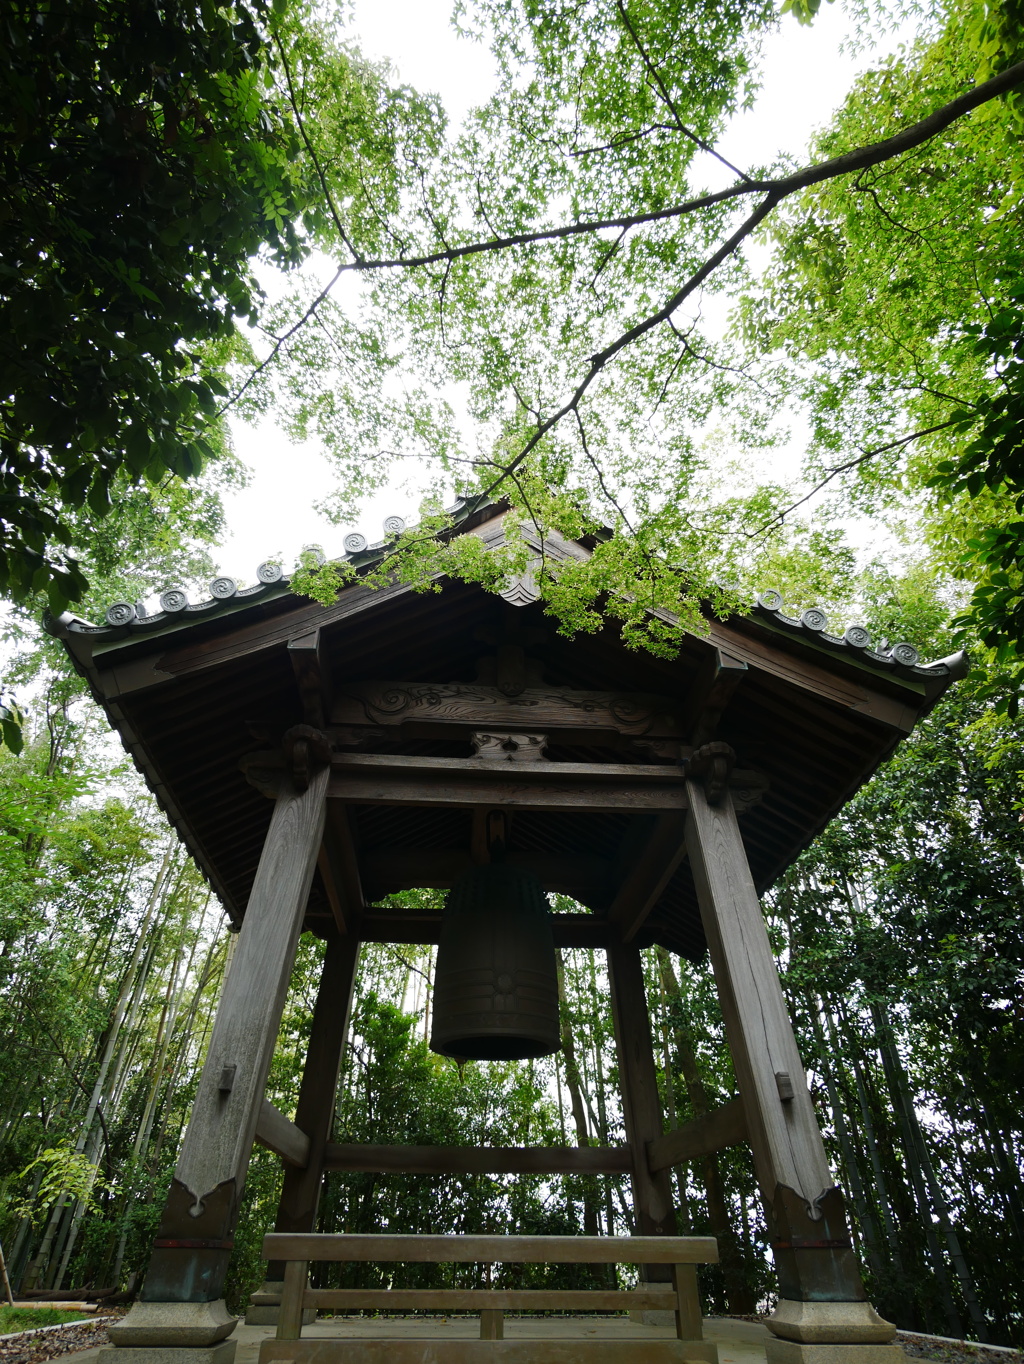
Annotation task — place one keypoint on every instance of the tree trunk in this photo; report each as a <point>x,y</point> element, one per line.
<point>904,1106</point>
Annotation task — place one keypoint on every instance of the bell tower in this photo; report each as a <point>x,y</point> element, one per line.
<point>661,795</point>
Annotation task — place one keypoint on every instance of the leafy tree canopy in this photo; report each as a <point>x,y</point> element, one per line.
<point>556,257</point>
<point>900,306</point>
<point>149,158</point>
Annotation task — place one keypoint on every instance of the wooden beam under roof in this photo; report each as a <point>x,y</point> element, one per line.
<point>386,869</point>
<point>475,705</point>
<point>712,689</point>
<point>338,863</point>
<point>398,779</point>
<point>465,783</point>
<point>305,654</point>
<point>778,656</point>
<point>651,872</point>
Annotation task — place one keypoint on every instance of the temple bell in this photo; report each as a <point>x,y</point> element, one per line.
<point>496,981</point>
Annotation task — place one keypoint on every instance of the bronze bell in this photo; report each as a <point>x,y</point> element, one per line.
<point>496,983</point>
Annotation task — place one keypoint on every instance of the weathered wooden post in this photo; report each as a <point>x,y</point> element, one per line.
<point>641,1105</point>
<point>181,1308</point>
<point>823,1316</point>
<point>314,1113</point>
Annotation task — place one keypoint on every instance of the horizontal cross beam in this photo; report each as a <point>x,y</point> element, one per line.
<point>281,1136</point>
<point>467,1160</point>
<point>726,1126</point>
<point>465,783</point>
<point>473,1299</point>
<point>479,706</point>
<point>397,779</point>
<point>534,1250</point>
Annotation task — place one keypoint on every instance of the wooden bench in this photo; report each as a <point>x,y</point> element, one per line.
<point>681,1253</point>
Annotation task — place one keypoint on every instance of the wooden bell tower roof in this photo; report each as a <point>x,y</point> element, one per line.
<point>441,708</point>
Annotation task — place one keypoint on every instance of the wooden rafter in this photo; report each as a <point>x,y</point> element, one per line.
<point>648,876</point>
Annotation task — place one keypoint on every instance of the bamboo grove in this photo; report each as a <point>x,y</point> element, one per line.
<point>899,936</point>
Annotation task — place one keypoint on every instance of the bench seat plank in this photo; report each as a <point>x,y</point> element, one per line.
<point>475,1299</point>
<point>655,1250</point>
<point>589,1351</point>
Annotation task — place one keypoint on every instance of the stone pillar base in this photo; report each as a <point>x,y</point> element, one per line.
<point>654,1316</point>
<point>267,1316</point>
<point>795,1352</point>
<point>177,1325</point>
<point>829,1323</point>
<point>221,1353</point>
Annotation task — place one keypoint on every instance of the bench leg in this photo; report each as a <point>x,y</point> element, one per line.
<point>289,1318</point>
<point>688,1318</point>
<point>492,1323</point>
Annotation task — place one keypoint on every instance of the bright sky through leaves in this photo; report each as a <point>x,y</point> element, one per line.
<point>806,78</point>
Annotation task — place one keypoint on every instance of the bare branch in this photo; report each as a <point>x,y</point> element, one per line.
<point>775,191</point>
<point>335,215</point>
<point>598,362</point>
<point>846,164</point>
<point>779,517</point>
<point>683,339</point>
<point>655,76</point>
<point>281,340</point>
<point>599,472</point>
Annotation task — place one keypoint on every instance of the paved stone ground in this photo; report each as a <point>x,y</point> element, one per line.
<point>739,1342</point>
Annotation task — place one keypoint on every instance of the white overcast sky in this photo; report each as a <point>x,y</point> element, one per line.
<point>806,77</point>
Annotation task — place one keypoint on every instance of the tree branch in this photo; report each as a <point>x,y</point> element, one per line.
<point>655,76</point>
<point>779,517</point>
<point>335,215</point>
<point>598,362</point>
<point>775,191</point>
<point>848,162</point>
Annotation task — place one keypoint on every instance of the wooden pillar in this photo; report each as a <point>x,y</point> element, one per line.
<point>641,1104</point>
<point>819,1278</point>
<point>194,1241</point>
<point>314,1114</point>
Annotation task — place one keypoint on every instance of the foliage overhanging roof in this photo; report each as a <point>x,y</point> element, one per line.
<point>190,686</point>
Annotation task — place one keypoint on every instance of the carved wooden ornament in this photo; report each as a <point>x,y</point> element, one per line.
<point>513,748</point>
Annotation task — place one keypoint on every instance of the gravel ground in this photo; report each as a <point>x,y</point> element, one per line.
<point>31,1347</point>
<point>923,1348</point>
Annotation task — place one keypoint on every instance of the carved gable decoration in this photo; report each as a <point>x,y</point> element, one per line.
<point>396,703</point>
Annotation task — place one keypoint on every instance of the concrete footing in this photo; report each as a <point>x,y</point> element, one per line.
<point>795,1352</point>
<point>176,1325</point>
<point>221,1353</point>
<point>829,1323</point>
